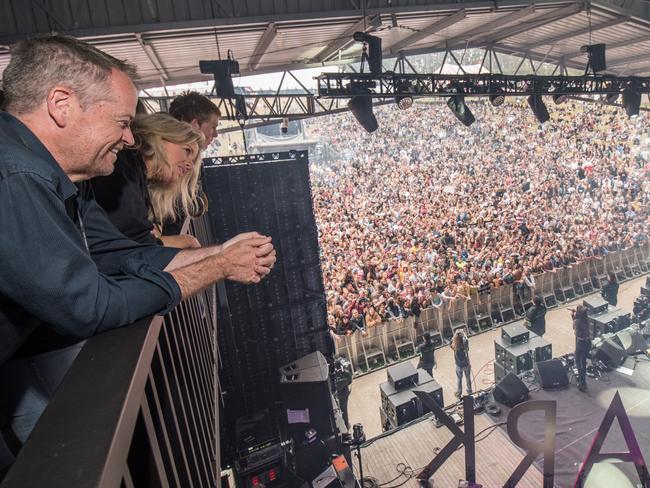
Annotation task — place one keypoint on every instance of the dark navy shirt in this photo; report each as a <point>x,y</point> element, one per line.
<point>124,196</point>
<point>63,266</point>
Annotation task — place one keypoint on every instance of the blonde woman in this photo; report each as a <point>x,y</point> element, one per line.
<point>152,178</point>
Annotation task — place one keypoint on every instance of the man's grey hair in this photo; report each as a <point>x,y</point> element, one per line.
<point>38,65</point>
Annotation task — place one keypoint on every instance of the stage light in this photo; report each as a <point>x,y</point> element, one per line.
<point>404,101</point>
<point>456,104</point>
<point>631,101</point>
<point>361,108</point>
<point>560,98</point>
<point>497,100</point>
<point>539,108</point>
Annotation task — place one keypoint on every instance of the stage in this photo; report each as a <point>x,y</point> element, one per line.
<point>578,417</point>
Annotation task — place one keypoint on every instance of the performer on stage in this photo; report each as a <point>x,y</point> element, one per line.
<point>610,290</point>
<point>535,316</point>
<point>426,351</point>
<point>583,343</point>
<point>460,346</point>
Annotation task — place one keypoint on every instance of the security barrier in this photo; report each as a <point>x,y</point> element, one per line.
<point>395,340</point>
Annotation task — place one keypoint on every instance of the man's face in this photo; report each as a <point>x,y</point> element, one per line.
<point>208,129</point>
<point>103,128</point>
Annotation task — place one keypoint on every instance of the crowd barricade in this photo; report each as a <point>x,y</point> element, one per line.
<point>456,316</point>
<point>582,277</point>
<point>400,338</point>
<point>630,262</point>
<point>430,321</point>
<point>396,340</point>
<point>546,287</point>
<point>564,281</point>
<point>479,318</point>
<point>502,308</point>
<point>599,271</point>
<point>372,345</point>
<point>641,257</point>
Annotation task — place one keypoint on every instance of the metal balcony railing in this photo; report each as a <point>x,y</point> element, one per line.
<point>139,407</point>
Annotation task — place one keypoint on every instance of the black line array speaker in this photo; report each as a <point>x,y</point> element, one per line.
<point>510,391</point>
<point>551,374</point>
<point>262,327</point>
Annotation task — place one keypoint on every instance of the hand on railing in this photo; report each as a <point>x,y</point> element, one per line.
<point>248,258</point>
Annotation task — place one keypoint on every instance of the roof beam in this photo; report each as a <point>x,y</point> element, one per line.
<point>490,26</point>
<point>153,56</point>
<point>547,18</point>
<point>429,30</point>
<point>615,45</point>
<point>366,24</point>
<point>580,32</point>
<point>262,45</point>
<point>638,58</point>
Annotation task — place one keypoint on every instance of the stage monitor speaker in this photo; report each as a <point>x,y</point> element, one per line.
<point>609,352</point>
<point>631,340</point>
<point>510,391</point>
<point>595,304</point>
<point>551,374</point>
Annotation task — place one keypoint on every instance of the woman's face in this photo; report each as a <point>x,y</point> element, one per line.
<point>181,161</point>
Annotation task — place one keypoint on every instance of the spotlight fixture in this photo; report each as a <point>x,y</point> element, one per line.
<point>498,98</point>
<point>539,108</point>
<point>560,98</point>
<point>361,108</point>
<point>404,101</point>
<point>456,104</point>
<point>462,112</point>
<point>631,101</point>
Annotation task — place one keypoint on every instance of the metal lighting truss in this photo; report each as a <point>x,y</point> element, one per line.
<point>390,85</point>
<point>259,109</point>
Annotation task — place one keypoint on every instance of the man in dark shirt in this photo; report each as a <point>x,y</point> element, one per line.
<point>536,316</point>
<point>610,290</point>
<point>67,273</point>
<point>426,351</point>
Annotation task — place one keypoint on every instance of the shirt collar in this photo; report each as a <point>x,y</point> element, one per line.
<point>28,139</point>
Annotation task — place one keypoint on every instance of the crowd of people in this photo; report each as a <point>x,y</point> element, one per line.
<point>426,211</point>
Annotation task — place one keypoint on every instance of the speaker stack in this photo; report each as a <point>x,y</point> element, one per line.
<point>518,350</point>
<point>604,319</point>
<point>399,405</point>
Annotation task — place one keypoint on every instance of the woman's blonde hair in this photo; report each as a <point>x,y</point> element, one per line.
<point>149,132</point>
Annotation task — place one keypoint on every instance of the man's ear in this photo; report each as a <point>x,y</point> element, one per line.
<point>60,104</point>
<point>195,124</point>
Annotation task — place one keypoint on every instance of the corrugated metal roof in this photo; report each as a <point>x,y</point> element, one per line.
<point>300,38</point>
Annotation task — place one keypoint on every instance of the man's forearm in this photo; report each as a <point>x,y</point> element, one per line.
<point>188,257</point>
<point>193,278</point>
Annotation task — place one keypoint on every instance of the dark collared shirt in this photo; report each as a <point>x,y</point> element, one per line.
<point>63,266</point>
